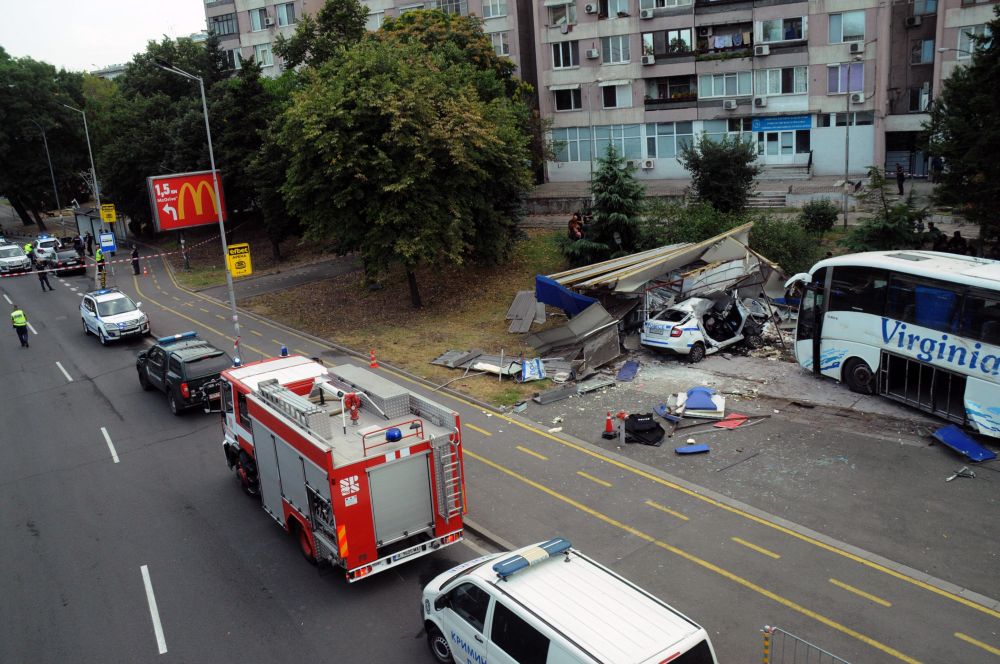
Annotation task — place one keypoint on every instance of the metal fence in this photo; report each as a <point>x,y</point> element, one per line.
<point>780,647</point>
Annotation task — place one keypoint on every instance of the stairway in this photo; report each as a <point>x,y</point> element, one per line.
<point>784,172</point>
<point>767,199</point>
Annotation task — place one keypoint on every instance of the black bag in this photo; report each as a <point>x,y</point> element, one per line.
<point>642,428</point>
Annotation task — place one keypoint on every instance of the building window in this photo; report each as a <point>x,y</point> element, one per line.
<point>667,42</point>
<point>920,99</point>
<point>501,42</point>
<point>410,8</point>
<point>258,19</point>
<point>860,118</point>
<point>847,27</point>
<point>612,8</point>
<point>966,43</point>
<point>627,140</point>
<point>571,144</point>
<point>676,88</point>
<point>782,29</point>
<point>735,84</point>
<point>262,54</point>
<point>614,50</point>
<point>286,14</point>
<point>223,25</point>
<point>234,59</point>
<point>562,14</point>
<point>495,8</point>
<point>921,7</point>
<point>921,51</point>
<point>569,100</point>
<point>784,81</point>
<point>665,139</point>
<point>565,54</point>
<point>375,20</point>
<point>845,78</point>
<point>616,96</point>
<point>656,4</point>
<point>456,7</point>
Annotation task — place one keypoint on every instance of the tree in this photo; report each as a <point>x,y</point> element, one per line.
<point>338,24</point>
<point>394,154</point>
<point>819,216</point>
<point>670,222</point>
<point>891,226</point>
<point>964,130</point>
<point>785,242</point>
<point>722,170</point>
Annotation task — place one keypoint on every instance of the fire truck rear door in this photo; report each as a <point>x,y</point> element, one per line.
<point>401,498</point>
<point>267,470</point>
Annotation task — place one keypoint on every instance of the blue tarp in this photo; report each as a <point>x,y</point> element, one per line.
<point>551,292</point>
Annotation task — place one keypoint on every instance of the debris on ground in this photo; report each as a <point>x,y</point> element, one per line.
<point>961,472</point>
<point>961,442</point>
<point>702,402</point>
<point>642,428</point>
<point>699,448</point>
<point>628,371</point>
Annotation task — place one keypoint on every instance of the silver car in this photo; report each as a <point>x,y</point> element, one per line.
<point>13,259</point>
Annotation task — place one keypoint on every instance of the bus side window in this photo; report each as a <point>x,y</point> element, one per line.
<point>859,289</point>
<point>922,302</point>
<point>981,318</point>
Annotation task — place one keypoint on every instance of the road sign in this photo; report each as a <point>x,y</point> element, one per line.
<point>239,260</point>
<point>107,241</point>
<point>108,213</point>
<point>185,200</point>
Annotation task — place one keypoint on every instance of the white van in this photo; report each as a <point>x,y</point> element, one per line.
<point>550,604</point>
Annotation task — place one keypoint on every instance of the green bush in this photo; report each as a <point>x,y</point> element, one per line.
<point>671,222</point>
<point>819,216</point>
<point>786,243</point>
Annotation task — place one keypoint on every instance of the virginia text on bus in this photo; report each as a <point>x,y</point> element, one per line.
<point>920,327</point>
<point>363,472</point>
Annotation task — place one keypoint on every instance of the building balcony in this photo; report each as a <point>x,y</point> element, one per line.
<point>678,100</point>
<point>671,92</point>
<point>723,42</point>
<point>218,3</point>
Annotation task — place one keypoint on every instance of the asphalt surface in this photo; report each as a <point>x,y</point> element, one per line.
<point>733,549</point>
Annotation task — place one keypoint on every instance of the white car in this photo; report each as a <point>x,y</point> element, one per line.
<point>46,247</point>
<point>111,314</point>
<point>700,326</point>
<point>13,259</point>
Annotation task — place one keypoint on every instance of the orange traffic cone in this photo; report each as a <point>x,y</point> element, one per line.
<point>373,364</point>
<point>145,271</point>
<point>609,430</point>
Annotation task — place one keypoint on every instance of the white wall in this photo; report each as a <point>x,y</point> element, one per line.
<point>828,149</point>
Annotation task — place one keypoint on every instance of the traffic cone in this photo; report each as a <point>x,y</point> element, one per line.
<point>609,429</point>
<point>145,271</point>
<point>373,364</point>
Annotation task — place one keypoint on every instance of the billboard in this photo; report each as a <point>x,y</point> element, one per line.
<point>184,200</point>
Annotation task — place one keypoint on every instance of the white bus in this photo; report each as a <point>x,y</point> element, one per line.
<point>920,327</point>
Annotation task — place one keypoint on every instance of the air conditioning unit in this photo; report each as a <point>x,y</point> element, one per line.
<point>762,50</point>
<point>760,102</point>
<point>646,14</point>
<point>268,21</point>
<point>857,97</point>
<point>593,53</point>
<point>913,21</point>
<point>590,8</point>
<point>649,59</point>
<point>730,104</point>
<point>648,164</point>
<point>632,163</point>
<point>705,31</point>
<point>857,47</point>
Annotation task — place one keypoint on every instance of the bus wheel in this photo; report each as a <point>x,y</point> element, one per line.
<point>859,377</point>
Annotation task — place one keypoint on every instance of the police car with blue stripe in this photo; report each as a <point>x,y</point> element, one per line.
<point>111,315</point>
<point>549,604</point>
<point>700,326</point>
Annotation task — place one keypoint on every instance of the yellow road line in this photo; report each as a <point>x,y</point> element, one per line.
<point>176,298</point>
<point>593,479</point>
<point>664,508</point>
<point>300,352</point>
<point>220,317</point>
<point>475,428</point>
<point>204,310</point>
<point>754,547</point>
<point>985,646</point>
<point>533,453</point>
<point>860,593</point>
<point>635,532</point>
<point>251,331</point>
<point>275,341</point>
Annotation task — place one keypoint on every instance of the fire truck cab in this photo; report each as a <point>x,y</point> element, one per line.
<point>364,472</point>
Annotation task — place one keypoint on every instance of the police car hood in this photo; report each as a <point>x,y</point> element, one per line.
<point>127,317</point>
<point>14,260</point>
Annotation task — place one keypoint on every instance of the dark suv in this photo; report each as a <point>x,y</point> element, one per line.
<point>184,367</point>
<point>66,261</point>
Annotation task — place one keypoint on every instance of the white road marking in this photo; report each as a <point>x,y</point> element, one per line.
<point>7,298</point>
<point>65,373</point>
<point>111,446</point>
<point>33,331</point>
<point>161,642</point>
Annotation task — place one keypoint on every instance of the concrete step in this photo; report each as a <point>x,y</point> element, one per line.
<point>784,172</point>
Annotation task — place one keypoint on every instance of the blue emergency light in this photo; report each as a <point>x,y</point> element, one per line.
<point>393,435</point>
<point>44,236</point>
<point>177,337</point>
<point>531,555</point>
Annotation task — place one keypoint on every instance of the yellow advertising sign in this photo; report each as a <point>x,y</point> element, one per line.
<point>238,260</point>
<point>108,213</point>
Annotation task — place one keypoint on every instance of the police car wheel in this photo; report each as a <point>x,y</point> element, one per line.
<point>86,330</point>
<point>103,339</point>
<point>439,646</point>
<point>754,341</point>
<point>697,353</point>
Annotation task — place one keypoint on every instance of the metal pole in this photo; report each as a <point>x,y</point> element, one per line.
<point>590,136</point>
<point>222,228</point>
<point>55,189</point>
<point>847,141</point>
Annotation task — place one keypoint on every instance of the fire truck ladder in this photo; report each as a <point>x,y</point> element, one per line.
<point>296,408</point>
<point>449,470</point>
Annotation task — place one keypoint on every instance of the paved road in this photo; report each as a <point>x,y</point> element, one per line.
<point>229,586</point>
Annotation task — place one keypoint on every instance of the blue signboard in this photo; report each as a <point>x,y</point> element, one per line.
<point>108,243</point>
<point>782,123</point>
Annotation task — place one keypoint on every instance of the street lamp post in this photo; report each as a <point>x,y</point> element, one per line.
<point>55,189</point>
<point>93,171</point>
<point>847,132</point>
<point>166,66</point>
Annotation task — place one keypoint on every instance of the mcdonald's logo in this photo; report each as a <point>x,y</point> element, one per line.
<point>198,197</point>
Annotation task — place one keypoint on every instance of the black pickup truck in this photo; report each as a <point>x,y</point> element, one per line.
<point>184,367</point>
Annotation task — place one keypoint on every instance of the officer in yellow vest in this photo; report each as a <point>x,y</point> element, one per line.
<point>28,251</point>
<point>20,323</point>
<point>99,258</point>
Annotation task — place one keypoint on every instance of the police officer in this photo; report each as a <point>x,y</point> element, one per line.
<point>43,278</point>
<point>20,323</point>
<point>135,260</point>
<point>99,258</point>
<point>29,251</point>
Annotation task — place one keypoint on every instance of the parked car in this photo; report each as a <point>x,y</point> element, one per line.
<point>700,326</point>
<point>66,261</point>
<point>111,314</point>
<point>13,259</point>
<point>45,248</point>
<point>185,368</point>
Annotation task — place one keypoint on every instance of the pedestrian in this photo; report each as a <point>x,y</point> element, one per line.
<point>43,278</point>
<point>900,177</point>
<point>20,323</point>
<point>99,259</point>
<point>78,245</point>
<point>135,260</point>
<point>937,167</point>
<point>29,251</point>
<point>957,244</point>
<point>89,239</point>
<point>575,227</point>
<point>940,243</point>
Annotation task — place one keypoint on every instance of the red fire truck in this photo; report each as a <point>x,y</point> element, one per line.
<point>365,473</point>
